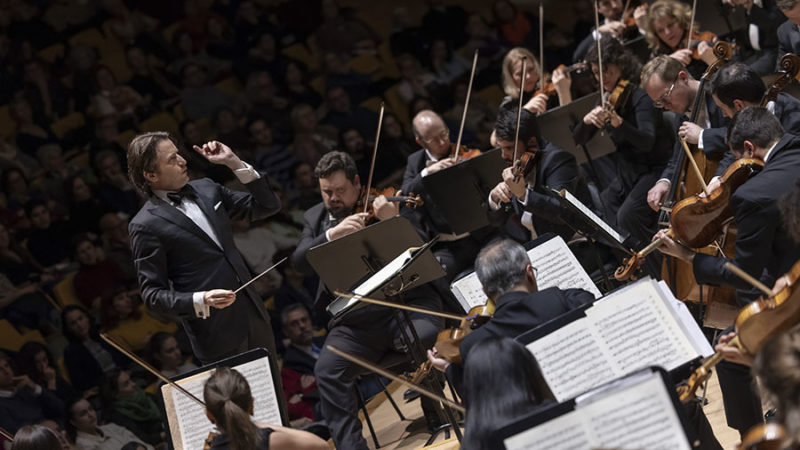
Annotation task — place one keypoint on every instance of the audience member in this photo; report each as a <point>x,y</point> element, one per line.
<point>128,406</point>
<point>83,428</point>
<point>35,361</point>
<point>31,133</point>
<point>115,189</point>
<point>165,355</point>
<point>271,157</point>
<point>199,99</point>
<point>48,239</point>
<point>87,357</point>
<point>311,140</point>
<point>97,276</point>
<point>125,318</point>
<point>258,244</point>
<point>117,243</point>
<point>84,207</point>
<point>297,373</point>
<point>22,401</point>
<point>36,437</point>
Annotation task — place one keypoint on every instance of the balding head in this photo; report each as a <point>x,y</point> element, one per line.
<point>431,132</point>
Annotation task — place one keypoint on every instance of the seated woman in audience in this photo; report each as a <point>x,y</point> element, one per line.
<point>97,275</point>
<point>127,405</point>
<point>85,208</point>
<point>113,98</point>
<point>229,406</point>
<point>777,366</point>
<point>35,361</point>
<point>36,437</point>
<point>82,428</point>
<point>165,355</point>
<point>125,318</point>
<point>87,357</point>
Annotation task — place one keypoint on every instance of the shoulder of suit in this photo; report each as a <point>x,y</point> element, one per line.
<point>552,153</point>
<point>314,212</point>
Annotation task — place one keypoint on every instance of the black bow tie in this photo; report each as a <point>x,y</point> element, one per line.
<point>185,192</point>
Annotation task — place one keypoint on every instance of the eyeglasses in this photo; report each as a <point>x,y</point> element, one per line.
<point>444,135</point>
<point>665,98</point>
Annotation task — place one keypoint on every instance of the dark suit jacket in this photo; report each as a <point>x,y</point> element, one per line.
<point>788,39</point>
<point>717,121</point>
<point>431,222</point>
<point>514,314</point>
<point>763,248</point>
<point>767,18</point>
<point>787,110</point>
<point>175,258</point>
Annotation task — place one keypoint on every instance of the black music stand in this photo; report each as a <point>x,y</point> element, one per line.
<point>346,263</point>
<point>461,193</point>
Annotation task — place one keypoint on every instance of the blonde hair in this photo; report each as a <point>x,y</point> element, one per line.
<point>666,67</point>
<point>777,366</point>
<point>509,61</point>
<point>663,9</point>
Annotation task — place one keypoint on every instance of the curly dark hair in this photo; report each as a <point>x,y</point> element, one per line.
<point>616,53</point>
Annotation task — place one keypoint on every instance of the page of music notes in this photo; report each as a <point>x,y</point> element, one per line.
<point>629,329</point>
<point>636,415</point>
<point>189,426</point>
<point>556,266</point>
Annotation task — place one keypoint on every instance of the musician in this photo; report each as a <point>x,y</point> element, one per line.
<point>763,248</point>
<point>508,278</point>
<point>788,32</point>
<point>512,75</point>
<point>612,23</point>
<point>454,251</point>
<point>760,37</point>
<point>671,87</point>
<point>538,211</point>
<point>184,252</point>
<point>640,138</point>
<point>667,26</point>
<point>370,332</point>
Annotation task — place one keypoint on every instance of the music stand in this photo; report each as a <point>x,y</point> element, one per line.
<point>461,193</point>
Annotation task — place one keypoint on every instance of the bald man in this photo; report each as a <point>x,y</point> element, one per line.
<point>455,252</point>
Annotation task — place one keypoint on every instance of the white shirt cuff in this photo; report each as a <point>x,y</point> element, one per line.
<point>246,174</point>
<point>525,200</point>
<point>666,180</point>
<point>37,390</point>
<point>424,172</point>
<point>328,235</point>
<point>700,140</point>
<point>201,310</point>
<point>492,205</point>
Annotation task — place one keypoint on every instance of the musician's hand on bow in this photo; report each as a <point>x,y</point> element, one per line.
<point>443,163</point>
<point>672,247</point>
<point>436,361</point>
<point>595,117</point>
<point>219,298</point>
<point>515,184</point>
<point>683,56</point>
<point>613,118</point>
<point>712,186</point>
<point>657,195</point>
<point>537,104</point>
<point>349,224</point>
<point>384,209</point>
<point>706,52</point>
<point>640,16</point>
<point>690,132</point>
<point>614,27</point>
<point>562,83</point>
<point>501,194</point>
<point>733,353</point>
<point>218,153</point>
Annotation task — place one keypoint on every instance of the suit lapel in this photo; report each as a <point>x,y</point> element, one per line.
<point>168,212</point>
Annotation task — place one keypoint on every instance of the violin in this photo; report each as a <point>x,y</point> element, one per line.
<point>463,152</point>
<point>755,324</point>
<point>207,443</point>
<point>766,436</point>
<point>548,87</point>
<point>411,201</point>
<point>525,164</point>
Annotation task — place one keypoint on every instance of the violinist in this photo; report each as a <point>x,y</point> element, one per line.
<point>455,251</point>
<point>507,277</point>
<point>538,211</point>
<point>788,31</point>
<point>638,133</point>
<point>763,247</point>
<point>370,332</point>
<point>760,36</point>
<point>534,101</point>
<point>671,87</point>
<point>614,23</point>
<point>667,24</point>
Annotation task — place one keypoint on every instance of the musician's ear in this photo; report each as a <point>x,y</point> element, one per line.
<point>738,105</point>
<point>748,149</point>
<point>149,176</point>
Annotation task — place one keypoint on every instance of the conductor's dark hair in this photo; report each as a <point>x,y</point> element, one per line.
<point>754,124</point>
<point>619,55</point>
<point>491,405</point>
<point>737,81</point>
<point>501,266</point>
<point>333,162</point>
<point>36,437</point>
<point>789,206</point>
<point>142,157</point>
<point>505,127</point>
<point>228,399</point>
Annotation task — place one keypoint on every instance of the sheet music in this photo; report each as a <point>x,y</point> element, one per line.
<point>556,266</point>
<point>591,215</point>
<point>188,423</point>
<point>695,334</point>
<point>629,329</point>
<point>372,283</point>
<point>635,415</point>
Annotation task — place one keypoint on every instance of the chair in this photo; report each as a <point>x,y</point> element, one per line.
<point>300,52</point>
<point>393,359</point>
<point>161,122</point>
<point>92,37</point>
<point>230,85</point>
<point>64,291</point>
<point>125,138</point>
<point>13,340</point>
<point>68,123</point>
<point>52,53</point>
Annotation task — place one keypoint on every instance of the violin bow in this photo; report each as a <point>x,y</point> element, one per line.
<point>374,155</point>
<point>519,107</point>
<point>6,435</point>
<point>541,47</point>
<point>749,278</point>
<point>416,309</point>
<point>150,368</point>
<point>368,365</point>
<point>691,27</point>
<point>466,105</point>
<point>599,53</point>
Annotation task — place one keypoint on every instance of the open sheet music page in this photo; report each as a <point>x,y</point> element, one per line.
<point>555,263</point>
<point>591,215</point>
<point>637,414</point>
<point>188,424</point>
<point>688,322</point>
<point>628,329</point>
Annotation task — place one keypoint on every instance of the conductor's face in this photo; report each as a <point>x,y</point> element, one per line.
<point>339,194</point>
<point>170,174</point>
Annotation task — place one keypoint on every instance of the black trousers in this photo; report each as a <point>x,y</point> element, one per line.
<point>739,396</point>
<point>371,333</point>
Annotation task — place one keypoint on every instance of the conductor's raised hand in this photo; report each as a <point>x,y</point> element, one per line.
<point>219,298</point>
<point>218,153</point>
<point>349,224</point>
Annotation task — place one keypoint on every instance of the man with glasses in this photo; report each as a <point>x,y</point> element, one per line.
<point>671,87</point>
<point>455,252</point>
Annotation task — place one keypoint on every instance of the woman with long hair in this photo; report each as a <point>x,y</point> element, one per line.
<point>512,74</point>
<point>36,437</point>
<point>83,428</point>
<point>127,405</point>
<point>87,357</point>
<point>35,361</point>
<point>667,24</point>
<point>229,405</point>
<point>492,404</point>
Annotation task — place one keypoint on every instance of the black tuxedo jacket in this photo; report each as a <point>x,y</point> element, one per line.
<point>763,248</point>
<point>787,110</point>
<point>767,18</point>
<point>430,220</point>
<point>514,314</point>
<point>788,39</point>
<point>716,119</point>
<point>175,258</point>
